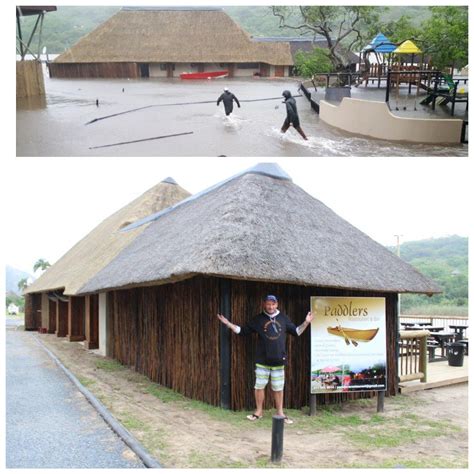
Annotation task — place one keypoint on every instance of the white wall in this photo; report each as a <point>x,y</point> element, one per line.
<point>155,71</point>
<point>102,324</point>
<point>374,119</point>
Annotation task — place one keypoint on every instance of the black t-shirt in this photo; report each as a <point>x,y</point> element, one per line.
<point>271,342</point>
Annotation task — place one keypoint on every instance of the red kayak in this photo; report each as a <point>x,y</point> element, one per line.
<point>203,75</point>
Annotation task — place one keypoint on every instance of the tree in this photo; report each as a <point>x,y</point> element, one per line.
<point>309,63</point>
<point>398,30</point>
<point>341,27</point>
<point>22,284</point>
<point>445,36</point>
<point>41,264</point>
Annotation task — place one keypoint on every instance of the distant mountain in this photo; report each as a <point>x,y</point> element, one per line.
<point>12,277</point>
<point>444,260</point>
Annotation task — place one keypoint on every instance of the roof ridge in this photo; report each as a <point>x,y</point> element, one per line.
<point>271,170</point>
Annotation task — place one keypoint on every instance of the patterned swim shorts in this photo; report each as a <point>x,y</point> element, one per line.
<point>276,374</point>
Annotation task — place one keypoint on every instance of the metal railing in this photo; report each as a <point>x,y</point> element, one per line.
<point>444,321</point>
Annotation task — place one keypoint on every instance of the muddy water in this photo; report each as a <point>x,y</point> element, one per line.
<point>57,126</point>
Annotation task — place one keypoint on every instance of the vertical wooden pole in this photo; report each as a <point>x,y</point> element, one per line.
<point>225,343</point>
<point>92,321</point>
<point>423,358</point>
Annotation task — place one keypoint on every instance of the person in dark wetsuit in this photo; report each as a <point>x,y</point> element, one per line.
<point>271,327</point>
<point>228,98</point>
<point>291,115</point>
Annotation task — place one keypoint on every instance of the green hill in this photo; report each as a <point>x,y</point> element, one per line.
<point>445,260</point>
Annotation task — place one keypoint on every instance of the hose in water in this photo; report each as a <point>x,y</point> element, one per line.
<point>141,140</point>
<point>177,103</point>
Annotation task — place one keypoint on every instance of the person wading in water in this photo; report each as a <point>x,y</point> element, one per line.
<point>228,98</point>
<point>291,115</point>
<point>271,359</point>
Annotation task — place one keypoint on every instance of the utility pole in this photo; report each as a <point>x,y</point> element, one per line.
<point>398,236</point>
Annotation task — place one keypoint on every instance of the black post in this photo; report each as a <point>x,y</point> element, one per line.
<point>397,339</point>
<point>380,401</point>
<point>387,89</point>
<point>225,342</point>
<point>313,404</point>
<point>433,105</point>
<point>278,423</point>
<point>455,93</point>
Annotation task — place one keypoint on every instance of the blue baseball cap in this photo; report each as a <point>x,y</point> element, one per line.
<point>271,298</point>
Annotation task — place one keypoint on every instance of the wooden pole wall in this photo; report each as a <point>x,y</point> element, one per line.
<point>94,70</point>
<point>92,321</point>
<point>171,334</point>
<point>32,311</point>
<point>61,318</point>
<point>76,318</point>
<point>52,317</point>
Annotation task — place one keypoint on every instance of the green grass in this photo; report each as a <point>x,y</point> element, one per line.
<point>86,381</point>
<point>109,365</point>
<point>407,430</point>
<point>205,460</point>
<point>431,463</point>
<point>437,310</point>
<point>132,423</point>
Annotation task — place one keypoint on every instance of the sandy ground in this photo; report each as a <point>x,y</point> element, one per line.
<point>423,429</point>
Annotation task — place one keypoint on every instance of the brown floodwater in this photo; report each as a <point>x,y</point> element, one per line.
<point>56,125</point>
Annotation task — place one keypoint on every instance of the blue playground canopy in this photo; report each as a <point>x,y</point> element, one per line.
<point>381,44</point>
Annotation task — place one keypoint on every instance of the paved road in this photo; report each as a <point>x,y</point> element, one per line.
<point>49,424</point>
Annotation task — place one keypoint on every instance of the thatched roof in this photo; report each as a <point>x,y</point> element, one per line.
<point>74,269</point>
<point>173,35</point>
<point>258,226</point>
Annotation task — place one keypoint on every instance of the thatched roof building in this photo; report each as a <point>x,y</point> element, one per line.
<point>154,304</point>
<point>168,40</point>
<point>225,232</point>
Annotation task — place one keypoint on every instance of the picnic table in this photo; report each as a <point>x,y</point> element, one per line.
<point>443,338</point>
<point>459,330</point>
<point>425,328</point>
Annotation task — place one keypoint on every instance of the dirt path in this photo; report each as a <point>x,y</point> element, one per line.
<point>423,429</point>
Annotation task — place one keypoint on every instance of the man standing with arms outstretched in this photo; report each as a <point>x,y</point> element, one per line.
<point>271,326</point>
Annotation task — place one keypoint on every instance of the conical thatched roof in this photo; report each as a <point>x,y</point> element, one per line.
<point>258,226</point>
<point>173,35</point>
<point>74,269</point>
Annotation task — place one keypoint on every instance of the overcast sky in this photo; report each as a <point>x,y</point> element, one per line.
<point>54,202</point>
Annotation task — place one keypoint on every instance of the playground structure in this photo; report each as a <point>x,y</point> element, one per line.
<point>409,81</point>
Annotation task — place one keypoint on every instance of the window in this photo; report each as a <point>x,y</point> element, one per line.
<point>164,66</point>
<point>248,65</point>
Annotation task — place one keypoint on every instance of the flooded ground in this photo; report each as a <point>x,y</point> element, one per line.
<point>57,126</point>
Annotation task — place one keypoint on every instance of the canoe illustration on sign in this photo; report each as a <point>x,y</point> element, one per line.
<point>353,335</point>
